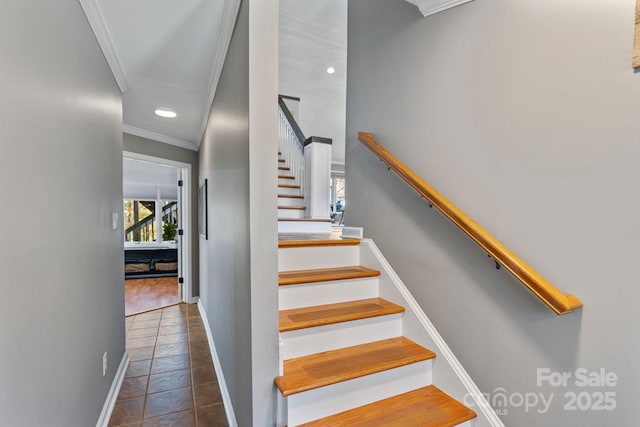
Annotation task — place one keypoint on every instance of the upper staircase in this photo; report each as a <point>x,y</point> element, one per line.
<point>304,166</point>
<point>292,209</point>
<point>346,359</point>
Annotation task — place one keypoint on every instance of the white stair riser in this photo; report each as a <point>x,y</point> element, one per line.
<point>289,191</point>
<point>331,337</point>
<point>287,181</point>
<point>288,201</point>
<point>324,401</point>
<point>318,257</point>
<point>309,294</point>
<point>304,227</point>
<point>290,213</point>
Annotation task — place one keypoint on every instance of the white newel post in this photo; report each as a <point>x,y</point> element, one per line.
<point>317,176</point>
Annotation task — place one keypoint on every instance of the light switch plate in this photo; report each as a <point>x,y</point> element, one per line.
<point>114,219</point>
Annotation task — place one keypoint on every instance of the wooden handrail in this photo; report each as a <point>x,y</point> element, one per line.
<point>558,301</point>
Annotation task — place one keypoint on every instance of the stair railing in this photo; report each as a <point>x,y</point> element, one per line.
<point>147,225</point>
<point>291,143</point>
<point>558,301</point>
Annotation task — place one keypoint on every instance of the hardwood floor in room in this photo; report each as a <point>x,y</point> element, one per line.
<point>142,295</point>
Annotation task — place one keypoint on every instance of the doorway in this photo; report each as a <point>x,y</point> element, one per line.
<point>156,238</point>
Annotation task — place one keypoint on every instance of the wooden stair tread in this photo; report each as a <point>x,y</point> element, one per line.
<point>330,367</point>
<point>325,274</point>
<point>290,196</point>
<point>281,160</point>
<point>300,208</point>
<point>424,407</point>
<point>286,177</point>
<point>288,186</point>
<point>322,242</point>
<point>284,168</point>
<point>329,314</point>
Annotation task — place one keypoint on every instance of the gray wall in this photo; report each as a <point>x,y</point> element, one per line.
<point>525,114</point>
<point>62,294</point>
<point>139,145</point>
<point>238,277</point>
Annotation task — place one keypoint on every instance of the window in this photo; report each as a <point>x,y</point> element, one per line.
<point>140,220</point>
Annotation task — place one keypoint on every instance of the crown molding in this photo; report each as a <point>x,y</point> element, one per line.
<point>430,7</point>
<point>132,130</point>
<point>96,21</point>
<point>229,16</point>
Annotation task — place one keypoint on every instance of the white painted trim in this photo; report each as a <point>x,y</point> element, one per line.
<point>224,390</point>
<point>132,130</point>
<point>153,159</point>
<point>352,232</point>
<point>430,7</point>
<point>107,409</point>
<point>229,16</point>
<point>185,223</point>
<point>186,212</point>
<point>443,349</point>
<point>96,21</point>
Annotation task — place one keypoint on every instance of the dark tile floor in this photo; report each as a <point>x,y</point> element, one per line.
<point>170,380</point>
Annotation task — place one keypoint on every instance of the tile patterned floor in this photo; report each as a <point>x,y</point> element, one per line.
<point>170,380</point>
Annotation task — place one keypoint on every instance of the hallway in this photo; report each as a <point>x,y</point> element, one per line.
<point>170,380</point>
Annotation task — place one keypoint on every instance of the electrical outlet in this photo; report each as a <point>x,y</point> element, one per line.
<point>114,220</point>
<point>104,364</point>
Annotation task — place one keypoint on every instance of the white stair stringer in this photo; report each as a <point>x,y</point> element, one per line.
<point>448,374</point>
<point>319,339</point>
<point>319,293</point>
<point>324,401</point>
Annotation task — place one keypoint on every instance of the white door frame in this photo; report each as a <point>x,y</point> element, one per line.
<point>185,217</point>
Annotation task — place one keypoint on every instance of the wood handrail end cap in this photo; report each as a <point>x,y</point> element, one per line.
<point>573,303</point>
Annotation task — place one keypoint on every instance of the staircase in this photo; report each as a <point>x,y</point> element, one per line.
<point>292,217</point>
<point>345,358</point>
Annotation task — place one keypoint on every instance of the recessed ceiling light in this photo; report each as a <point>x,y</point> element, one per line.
<point>165,112</point>
<point>331,70</point>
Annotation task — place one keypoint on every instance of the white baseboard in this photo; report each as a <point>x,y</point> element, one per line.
<point>224,390</point>
<point>107,409</point>
<point>443,350</point>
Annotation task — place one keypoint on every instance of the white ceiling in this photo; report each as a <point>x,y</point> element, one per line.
<point>167,53</point>
<point>141,180</point>
<point>164,53</point>
<point>313,37</point>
